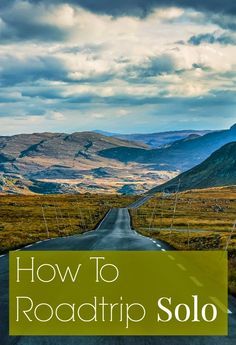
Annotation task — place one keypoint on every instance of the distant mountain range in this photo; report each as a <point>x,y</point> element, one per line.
<point>217,170</point>
<point>60,145</point>
<point>94,162</point>
<point>155,140</point>
<point>182,154</point>
<point>60,162</point>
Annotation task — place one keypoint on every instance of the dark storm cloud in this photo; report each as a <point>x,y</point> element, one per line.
<point>144,7</point>
<point>20,23</point>
<point>141,7</point>
<point>223,39</point>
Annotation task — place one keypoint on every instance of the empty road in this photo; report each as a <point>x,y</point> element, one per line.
<point>113,233</point>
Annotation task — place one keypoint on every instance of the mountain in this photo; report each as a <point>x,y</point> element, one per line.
<point>68,163</point>
<point>217,170</point>
<point>57,144</point>
<point>55,154</point>
<point>88,161</point>
<point>181,155</point>
<point>155,140</point>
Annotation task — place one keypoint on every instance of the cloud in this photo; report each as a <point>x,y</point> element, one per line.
<point>98,62</point>
<point>59,20</point>
<point>17,70</point>
<point>224,21</point>
<point>212,38</point>
<point>144,7</point>
<point>39,21</point>
<point>55,116</point>
<point>154,66</point>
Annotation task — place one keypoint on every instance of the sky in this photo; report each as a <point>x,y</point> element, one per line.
<point>121,66</point>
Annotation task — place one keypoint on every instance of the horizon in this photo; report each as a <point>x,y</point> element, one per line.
<point>101,132</point>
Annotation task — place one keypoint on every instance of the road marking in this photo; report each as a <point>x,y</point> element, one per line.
<point>39,242</point>
<point>182,267</point>
<point>153,241</point>
<point>158,245</point>
<point>220,305</point>
<point>2,256</point>
<point>29,245</point>
<point>17,250</point>
<point>196,281</point>
<point>47,240</point>
<point>171,257</point>
<point>103,220</point>
<point>163,249</point>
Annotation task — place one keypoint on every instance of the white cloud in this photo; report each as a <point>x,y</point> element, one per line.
<point>101,57</point>
<point>55,115</point>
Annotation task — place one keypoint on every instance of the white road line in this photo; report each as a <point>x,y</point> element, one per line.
<point>220,305</point>
<point>2,256</point>
<point>103,220</point>
<point>17,250</point>
<point>39,242</point>
<point>158,245</point>
<point>153,241</point>
<point>196,281</point>
<point>29,245</point>
<point>163,249</point>
<point>182,267</point>
<point>171,257</point>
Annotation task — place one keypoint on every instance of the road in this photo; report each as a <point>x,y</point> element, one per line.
<point>113,233</point>
<point>140,201</point>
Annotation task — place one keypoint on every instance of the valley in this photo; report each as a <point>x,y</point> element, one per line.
<point>45,163</point>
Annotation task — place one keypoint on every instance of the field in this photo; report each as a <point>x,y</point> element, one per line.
<point>27,219</point>
<point>193,220</point>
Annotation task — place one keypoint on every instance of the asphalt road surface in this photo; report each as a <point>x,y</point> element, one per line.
<point>113,233</point>
<point>140,201</point>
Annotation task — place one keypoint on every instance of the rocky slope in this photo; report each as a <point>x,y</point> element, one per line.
<point>65,163</point>
<point>218,170</point>
<point>182,154</point>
